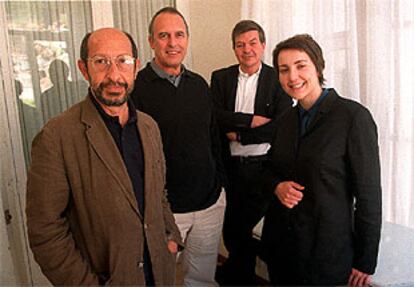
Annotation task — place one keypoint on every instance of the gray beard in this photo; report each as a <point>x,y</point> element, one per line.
<point>109,102</point>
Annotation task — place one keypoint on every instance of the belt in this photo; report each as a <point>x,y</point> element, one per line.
<point>249,159</point>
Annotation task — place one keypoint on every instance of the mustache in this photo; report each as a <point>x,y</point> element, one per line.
<point>112,83</point>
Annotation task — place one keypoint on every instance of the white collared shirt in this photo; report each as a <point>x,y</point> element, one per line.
<point>245,99</point>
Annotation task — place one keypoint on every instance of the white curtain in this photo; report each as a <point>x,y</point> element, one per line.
<point>369,51</point>
<point>134,16</point>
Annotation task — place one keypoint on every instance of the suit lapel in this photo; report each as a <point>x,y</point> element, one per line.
<point>262,87</point>
<point>147,150</point>
<point>233,80</point>
<point>292,131</point>
<point>324,108</point>
<point>102,142</point>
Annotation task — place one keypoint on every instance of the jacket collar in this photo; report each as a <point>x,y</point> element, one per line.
<point>103,144</point>
<point>323,109</point>
<point>262,85</point>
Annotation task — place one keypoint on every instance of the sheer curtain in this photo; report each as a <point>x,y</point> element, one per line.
<point>127,18</point>
<point>369,52</point>
<point>45,37</point>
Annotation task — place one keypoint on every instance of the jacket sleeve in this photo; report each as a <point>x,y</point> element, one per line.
<point>48,198</point>
<point>264,134</point>
<point>364,164</point>
<point>229,121</point>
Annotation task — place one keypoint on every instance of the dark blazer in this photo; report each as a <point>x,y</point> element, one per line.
<point>337,224</point>
<point>270,102</point>
<point>83,221</point>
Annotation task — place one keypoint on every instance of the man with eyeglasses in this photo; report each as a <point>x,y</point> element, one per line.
<point>179,101</point>
<point>97,213</point>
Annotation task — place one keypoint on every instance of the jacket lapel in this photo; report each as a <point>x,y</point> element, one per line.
<point>323,109</point>
<point>292,130</point>
<point>262,87</point>
<point>102,142</point>
<point>233,79</point>
<point>147,150</point>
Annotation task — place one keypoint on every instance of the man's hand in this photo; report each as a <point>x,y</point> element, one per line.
<point>258,121</point>
<point>359,279</point>
<point>172,246</point>
<point>232,136</point>
<point>289,193</point>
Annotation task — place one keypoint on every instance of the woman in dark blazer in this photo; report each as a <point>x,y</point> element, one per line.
<point>323,226</point>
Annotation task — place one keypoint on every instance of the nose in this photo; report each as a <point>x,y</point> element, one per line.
<point>113,72</point>
<point>172,41</point>
<point>247,48</point>
<point>292,74</point>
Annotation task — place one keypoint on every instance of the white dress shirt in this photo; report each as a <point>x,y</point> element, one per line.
<point>245,99</point>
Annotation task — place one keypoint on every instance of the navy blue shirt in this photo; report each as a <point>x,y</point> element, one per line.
<point>306,116</point>
<point>128,141</point>
<point>129,145</point>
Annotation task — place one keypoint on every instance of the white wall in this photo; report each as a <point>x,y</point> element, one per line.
<point>211,23</point>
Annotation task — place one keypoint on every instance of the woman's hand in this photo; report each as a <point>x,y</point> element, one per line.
<point>289,193</point>
<point>358,278</point>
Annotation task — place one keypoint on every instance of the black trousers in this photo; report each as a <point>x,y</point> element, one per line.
<point>246,205</point>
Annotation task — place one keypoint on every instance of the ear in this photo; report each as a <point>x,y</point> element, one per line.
<point>83,69</point>
<point>151,42</point>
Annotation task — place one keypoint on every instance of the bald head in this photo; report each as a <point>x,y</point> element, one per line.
<point>105,34</point>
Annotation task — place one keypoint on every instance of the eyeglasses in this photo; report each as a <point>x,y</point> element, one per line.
<point>124,63</point>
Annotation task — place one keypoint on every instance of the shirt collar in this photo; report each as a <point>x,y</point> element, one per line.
<point>245,75</point>
<point>164,75</point>
<point>313,109</point>
<point>132,115</point>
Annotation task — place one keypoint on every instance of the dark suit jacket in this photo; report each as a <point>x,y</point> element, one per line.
<point>337,161</point>
<point>83,220</point>
<point>270,102</point>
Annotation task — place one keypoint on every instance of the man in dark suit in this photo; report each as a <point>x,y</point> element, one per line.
<point>247,99</point>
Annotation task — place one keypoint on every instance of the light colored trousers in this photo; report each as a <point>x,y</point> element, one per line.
<point>201,232</point>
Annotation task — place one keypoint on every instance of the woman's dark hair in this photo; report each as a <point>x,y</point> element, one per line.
<point>304,43</point>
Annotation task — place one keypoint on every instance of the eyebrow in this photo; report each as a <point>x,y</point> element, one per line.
<point>248,41</point>
<point>295,63</point>
<point>300,61</point>
<point>171,32</point>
